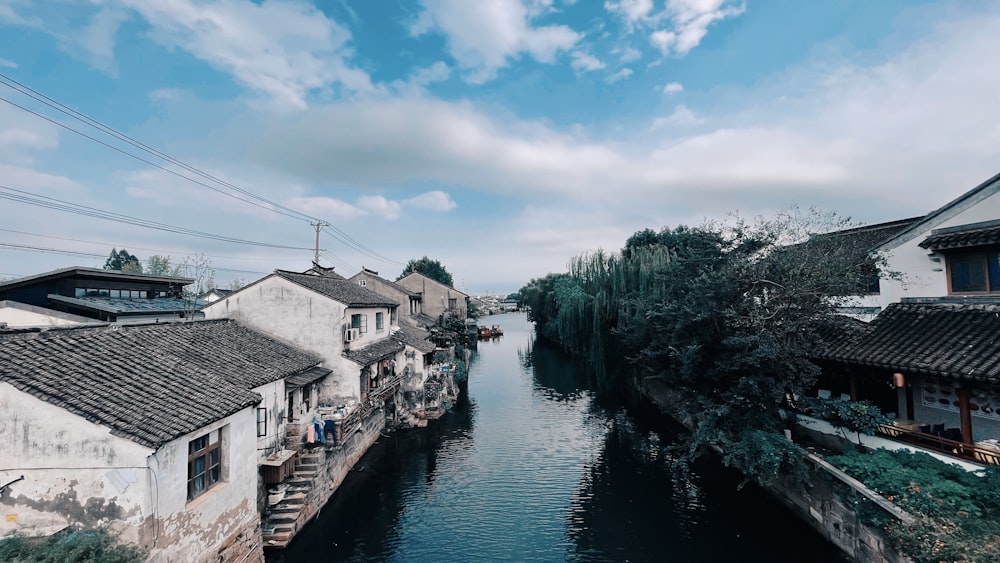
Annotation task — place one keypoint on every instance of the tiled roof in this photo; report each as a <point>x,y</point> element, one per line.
<point>306,377</point>
<point>978,234</point>
<point>859,240</point>
<point>130,306</point>
<point>368,274</point>
<point>957,341</point>
<point>415,338</point>
<point>375,351</point>
<point>149,383</point>
<point>339,288</point>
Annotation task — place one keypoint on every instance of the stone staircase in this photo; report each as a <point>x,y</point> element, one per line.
<point>288,516</point>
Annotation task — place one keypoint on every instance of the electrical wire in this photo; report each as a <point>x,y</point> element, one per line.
<point>22,196</point>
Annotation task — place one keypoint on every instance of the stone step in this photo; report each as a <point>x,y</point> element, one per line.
<point>277,541</point>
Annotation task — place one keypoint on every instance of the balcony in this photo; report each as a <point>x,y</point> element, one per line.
<point>969,452</point>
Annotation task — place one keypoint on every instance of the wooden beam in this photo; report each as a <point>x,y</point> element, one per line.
<point>854,386</point>
<point>965,413</point>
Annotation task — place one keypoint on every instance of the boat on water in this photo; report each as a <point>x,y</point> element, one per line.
<point>490,331</point>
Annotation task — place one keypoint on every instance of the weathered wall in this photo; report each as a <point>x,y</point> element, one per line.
<point>19,315</point>
<point>983,425</point>
<point>435,295</point>
<point>197,530</point>
<point>924,273</point>
<point>274,400</point>
<point>74,471</point>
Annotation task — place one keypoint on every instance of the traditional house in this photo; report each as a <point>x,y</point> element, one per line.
<point>152,429</point>
<point>437,298</point>
<point>410,302</point>
<point>14,315</point>
<point>105,295</point>
<point>930,357</point>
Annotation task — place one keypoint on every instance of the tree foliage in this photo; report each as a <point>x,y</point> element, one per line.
<point>161,266</point>
<point>122,260</point>
<point>96,546</point>
<point>430,268</point>
<point>726,314</point>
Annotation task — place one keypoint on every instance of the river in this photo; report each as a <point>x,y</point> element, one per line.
<point>532,465</point>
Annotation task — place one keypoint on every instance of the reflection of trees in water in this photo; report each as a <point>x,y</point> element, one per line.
<point>362,520</point>
<point>554,375</point>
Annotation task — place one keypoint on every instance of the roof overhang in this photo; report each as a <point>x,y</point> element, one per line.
<point>306,377</point>
<point>963,236</point>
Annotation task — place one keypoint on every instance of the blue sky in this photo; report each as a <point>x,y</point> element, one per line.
<point>500,137</point>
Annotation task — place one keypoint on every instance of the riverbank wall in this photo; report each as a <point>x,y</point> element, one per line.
<point>825,497</point>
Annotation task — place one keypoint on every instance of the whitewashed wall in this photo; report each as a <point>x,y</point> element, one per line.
<point>77,472</point>
<point>923,272</point>
<point>20,315</point>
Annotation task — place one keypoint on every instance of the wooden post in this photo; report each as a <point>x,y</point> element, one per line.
<point>965,414</point>
<point>854,386</point>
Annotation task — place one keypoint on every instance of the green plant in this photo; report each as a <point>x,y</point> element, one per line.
<point>860,417</point>
<point>88,545</point>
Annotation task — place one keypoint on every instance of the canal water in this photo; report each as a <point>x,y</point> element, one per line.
<point>532,465</point>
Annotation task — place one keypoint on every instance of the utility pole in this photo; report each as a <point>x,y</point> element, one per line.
<point>319,225</point>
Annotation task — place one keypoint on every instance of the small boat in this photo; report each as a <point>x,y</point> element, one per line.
<point>496,331</point>
<point>485,332</point>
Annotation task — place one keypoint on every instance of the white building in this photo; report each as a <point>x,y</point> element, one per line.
<point>151,429</point>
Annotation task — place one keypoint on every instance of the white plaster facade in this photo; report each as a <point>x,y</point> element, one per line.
<point>77,471</point>
<point>923,273</point>
<point>437,298</point>
<point>20,315</point>
<point>310,321</point>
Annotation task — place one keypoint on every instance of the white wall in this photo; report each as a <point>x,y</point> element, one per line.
<point>924,272</point>
<point>77,472</point>
<point>273,399</point>
<point>19,315</point>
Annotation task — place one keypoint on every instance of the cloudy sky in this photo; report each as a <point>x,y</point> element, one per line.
<point>501,137</point>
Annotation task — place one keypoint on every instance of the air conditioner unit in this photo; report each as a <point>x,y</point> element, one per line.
<point>352,334</point>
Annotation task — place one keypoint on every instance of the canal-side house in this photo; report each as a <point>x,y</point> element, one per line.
<point>153,430</point>
<point>932,356</point>
<point>349,327</point>
<point>104,295</point>
<point>410,302</point>
<point>436,297</point>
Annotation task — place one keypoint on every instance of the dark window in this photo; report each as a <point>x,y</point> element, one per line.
<point>974,272</point>
<point>204,463</point>
<point>307,397</point>
<point>378,321</point>
<point>452,303</point>
<point>360,322</point>
<point>362,283</point>
<point>261,422</point>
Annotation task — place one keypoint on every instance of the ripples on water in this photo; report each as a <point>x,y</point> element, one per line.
<point>533,466</point>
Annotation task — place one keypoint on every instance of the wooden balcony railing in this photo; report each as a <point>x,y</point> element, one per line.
<point>944,445</point>
<point>376,397</point>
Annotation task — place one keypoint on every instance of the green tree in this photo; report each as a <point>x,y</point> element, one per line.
<point>430,268</point>
<point>160,266</point>
<point>122,260</point>
<point>724,315</point>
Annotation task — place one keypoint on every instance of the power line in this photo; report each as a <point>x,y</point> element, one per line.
<point>48,250</point>
<point>357,246</point>
<point>87,120</point>
<point>22,196</point>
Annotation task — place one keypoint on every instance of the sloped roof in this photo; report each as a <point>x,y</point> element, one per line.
<point>415,338</point>
<point>369,274</point>
<point>338,287</point>
<point>124,306</point>
<point>149,383</point>
<point>110,275</point>
<point>418,275</point>
<point>958,341</point>
<point>963,236</point>
<point>971,197</point>
<point>379,350</point>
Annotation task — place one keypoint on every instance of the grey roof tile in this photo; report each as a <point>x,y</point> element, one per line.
<point>339,288</point>
<point>149,383</point>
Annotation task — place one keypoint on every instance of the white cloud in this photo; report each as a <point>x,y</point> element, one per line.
<point>627,54</point>
<point>97,38</point>
<point>632,11</point>
<point>326,207</point>
<point>422,77</point>
<point>584,62</point>
<point>28,179</point>
<point>484,36</point>
<point>619,76</point>
<point>673,88</point>
<point>284,49</point>
<point>682,115</point>
<point>164,94</point>
<point>688,23</point>
<point>7,63</point>
<point>432,201</point>
<point>387,208</point>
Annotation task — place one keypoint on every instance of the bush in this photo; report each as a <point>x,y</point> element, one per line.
<point>90,545</point>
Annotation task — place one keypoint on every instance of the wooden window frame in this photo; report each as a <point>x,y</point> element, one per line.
<point>983,253</point>
<point>362,322</point>
<point>261,422</point>
<point>379,321</point>
<point>211,472</point>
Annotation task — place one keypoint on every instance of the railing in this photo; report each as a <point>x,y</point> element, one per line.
<point>375,399</point>
<point>939,444</point>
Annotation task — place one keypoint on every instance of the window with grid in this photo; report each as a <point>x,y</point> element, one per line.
<point>204,463</point>
<point>378,321</point>
<point>360,322</point>
<point>261,422</point>
<point>974,272</point>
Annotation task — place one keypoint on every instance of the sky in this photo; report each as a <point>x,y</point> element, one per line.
<point>500,137</point>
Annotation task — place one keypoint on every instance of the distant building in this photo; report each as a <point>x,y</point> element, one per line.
<point>105,295</point>
<point>410,302</point>
<point>437,298</point>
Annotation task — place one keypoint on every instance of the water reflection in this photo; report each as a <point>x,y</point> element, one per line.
<point>533,466</point>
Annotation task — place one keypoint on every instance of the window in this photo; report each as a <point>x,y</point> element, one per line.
<point>204,463</point>
<point>378,321</point>
<point>452,303</point>
<point>974,272</point>
<point>360,322</point>
<point>306,398</point>
<point>261,422</point>
<point>362,282</point>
